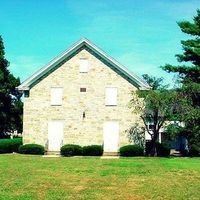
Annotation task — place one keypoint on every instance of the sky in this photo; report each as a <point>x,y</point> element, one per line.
<point>141,34</point>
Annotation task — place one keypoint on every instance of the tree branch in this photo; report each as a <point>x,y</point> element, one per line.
<point>160,124</point>
<point>146,126</point>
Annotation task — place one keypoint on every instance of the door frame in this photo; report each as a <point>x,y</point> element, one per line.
<point>117,137</point>
<point>62,135</point>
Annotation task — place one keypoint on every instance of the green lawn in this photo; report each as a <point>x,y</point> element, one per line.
<point>35,177</point>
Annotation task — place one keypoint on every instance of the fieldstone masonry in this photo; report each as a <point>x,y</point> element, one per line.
<point>78,130</point>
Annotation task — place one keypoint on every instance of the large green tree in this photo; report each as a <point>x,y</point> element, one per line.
<point>189,78</point>
<point>10,103</point>
<point>155,106</point>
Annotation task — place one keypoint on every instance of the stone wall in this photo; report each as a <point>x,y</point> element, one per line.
<point>38,110</point>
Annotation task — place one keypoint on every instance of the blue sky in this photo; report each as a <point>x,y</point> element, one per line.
<point>140,34</point>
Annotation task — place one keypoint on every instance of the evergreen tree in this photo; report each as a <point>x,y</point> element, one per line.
<point>10,103</point>
<point>189,77</point>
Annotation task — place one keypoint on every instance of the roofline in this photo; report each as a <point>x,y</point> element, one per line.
<point>26,85</point>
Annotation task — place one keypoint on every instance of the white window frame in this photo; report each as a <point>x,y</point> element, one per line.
<point>109,101</point>
<point>58,101</point>
<point>83,65</point>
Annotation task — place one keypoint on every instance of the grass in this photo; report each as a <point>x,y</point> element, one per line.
<point>24,177</point>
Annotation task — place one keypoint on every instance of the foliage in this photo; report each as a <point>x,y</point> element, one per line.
<point>194,150</point>
<point>10,145</point>
<point>131,150</point>
<point>10,104</point>
<point>155,107</point>
<point>34,149</point>
<point>163,149</point>
<point>175,129</point>
<point>93,150</point>
<point>189,78</point>
<point>71,150</point>
<point>136,135</point>
<point>154,82</point>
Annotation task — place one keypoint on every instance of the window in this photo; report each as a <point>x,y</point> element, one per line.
<point>84,65</point>
<point>56,96</point>
<point>111,96</point>
<point>82,89</point>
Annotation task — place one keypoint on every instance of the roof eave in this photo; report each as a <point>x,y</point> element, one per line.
<point>20,88</point>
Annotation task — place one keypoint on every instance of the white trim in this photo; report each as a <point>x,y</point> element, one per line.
<point>31,80</point>
<point>83,65</point>
<point>111,100</point>
<point>53,100</point>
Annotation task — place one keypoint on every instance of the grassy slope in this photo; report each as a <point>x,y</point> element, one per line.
<point>33,177</point>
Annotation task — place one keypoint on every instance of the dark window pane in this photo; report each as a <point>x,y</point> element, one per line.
<point>82,89</point>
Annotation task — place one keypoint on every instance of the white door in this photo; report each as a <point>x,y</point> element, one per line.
<point>111,136</point>
<point>55,135</point>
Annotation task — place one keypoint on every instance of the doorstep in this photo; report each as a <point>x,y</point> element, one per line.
<point>111,154</point>
<point>51,156</point>
<point>109,157</point>
<point>52,153</point>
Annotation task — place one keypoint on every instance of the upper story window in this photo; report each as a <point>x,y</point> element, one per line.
<point>56,96</point>
<point>111,96</point>
<point>84,65</point>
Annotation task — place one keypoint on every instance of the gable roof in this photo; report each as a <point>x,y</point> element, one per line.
<point>27,84</point>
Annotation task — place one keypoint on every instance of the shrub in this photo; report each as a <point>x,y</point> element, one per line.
<point>10,145</point>
<point>131,150</point>
<point>194,150</point>
<point>34,149</point>
<point>93,150</point>
<point>163,149</point>
<point>71,150</point>
<point>184,152</point>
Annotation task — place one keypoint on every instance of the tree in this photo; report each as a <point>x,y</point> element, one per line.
<point>154,82</point>
<point>10,103</point>
<point>189,77</point>
<point>136,135</point>
<point>155,106</point>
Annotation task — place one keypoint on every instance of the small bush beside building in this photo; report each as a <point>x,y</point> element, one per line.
<point>34,149</point>
<point>93,150</point>
<point>10,145</point>
<point>131,150</point>
<point>71,150</point>
<point>162,149</point>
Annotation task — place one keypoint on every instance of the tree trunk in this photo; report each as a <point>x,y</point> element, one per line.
<point>152,145</point>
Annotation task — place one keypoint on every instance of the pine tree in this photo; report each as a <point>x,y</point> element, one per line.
<point>10,103</point>
<point>189,77</point>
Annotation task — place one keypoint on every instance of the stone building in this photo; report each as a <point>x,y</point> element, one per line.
<point>80,97</point>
